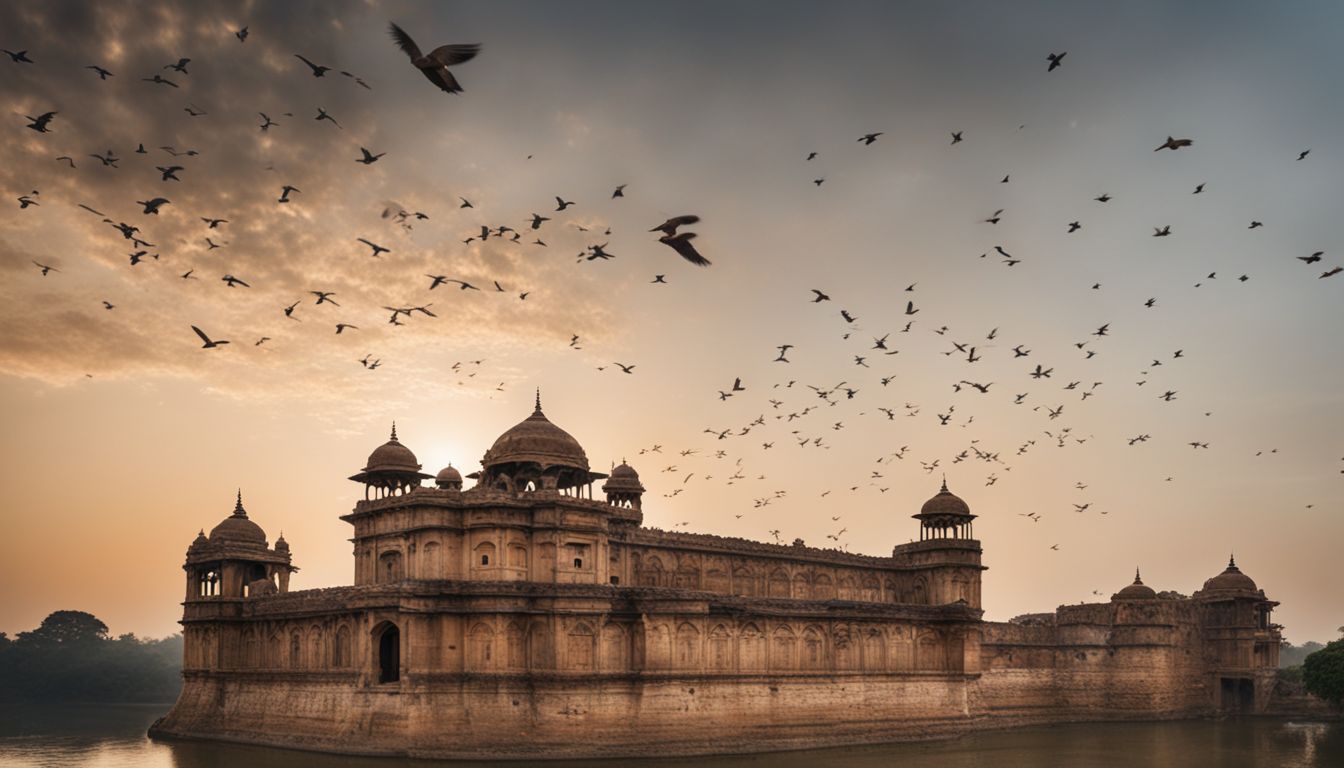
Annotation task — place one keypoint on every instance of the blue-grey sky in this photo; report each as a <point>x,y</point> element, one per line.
<point>124,437</point>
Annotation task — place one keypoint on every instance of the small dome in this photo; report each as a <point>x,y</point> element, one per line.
<point>1136,591</point>
<point>199,541</point>
<point>623,477</point>
<point>448,478</point>
<point>1231,579</point>
<point>536,440</point>
<point>945,503</point>
<point>281,545</point>
<point>237,528</point>
<point>392,456</point>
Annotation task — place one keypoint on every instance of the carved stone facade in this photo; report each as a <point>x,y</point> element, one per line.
<point>523,617</point>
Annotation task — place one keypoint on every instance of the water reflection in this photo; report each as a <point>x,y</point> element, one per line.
<point>113,737</point>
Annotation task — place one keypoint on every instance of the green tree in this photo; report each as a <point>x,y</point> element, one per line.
<point>67,628</point>
<point>1323,673</point>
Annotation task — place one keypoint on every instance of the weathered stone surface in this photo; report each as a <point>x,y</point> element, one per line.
<point>523,618</point>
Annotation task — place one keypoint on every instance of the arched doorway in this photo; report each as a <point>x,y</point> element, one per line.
<point>389,654</point>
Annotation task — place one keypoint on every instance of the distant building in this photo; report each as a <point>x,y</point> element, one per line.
<point>524,617</point>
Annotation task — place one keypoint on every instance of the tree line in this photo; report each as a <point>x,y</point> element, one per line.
<point>71,658</point>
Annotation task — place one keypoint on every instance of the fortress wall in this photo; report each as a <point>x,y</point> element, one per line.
<point>483,716</point>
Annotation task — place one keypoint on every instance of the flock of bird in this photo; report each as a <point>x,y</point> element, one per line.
<point>790,410</point>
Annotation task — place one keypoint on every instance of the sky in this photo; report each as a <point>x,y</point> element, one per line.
<point>123,437</point>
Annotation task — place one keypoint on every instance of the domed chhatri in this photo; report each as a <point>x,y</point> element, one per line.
<point>238,529</point>
<point>945,516</point>
<point>535,439</point>
<point>1230,580</point>
<point>1136,591</point>
<point>448,479</point>
<point>392,456</point>
<point>391,470</point>
<point>945,503</point>
<point>234,561</point>
<point>623,488</point>
<point>536,454</point>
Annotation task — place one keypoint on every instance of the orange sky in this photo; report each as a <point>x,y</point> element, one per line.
<point>123,437</point>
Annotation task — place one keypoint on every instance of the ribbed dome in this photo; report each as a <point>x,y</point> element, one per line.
<point>945,503</point>
<point>1136,591</point>
<point>392,456</point>
<point>448,474</point>
<point>536,440</point>
<point>237,528</point>
<point>1231,579</point>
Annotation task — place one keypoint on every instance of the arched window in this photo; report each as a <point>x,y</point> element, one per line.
<point>389,567</point>
<point>389,653</point>
<point>579,653</point>
<point>340,657</point>
<point>295,651</point>
<point>485,553</point>
<point>482,647</point>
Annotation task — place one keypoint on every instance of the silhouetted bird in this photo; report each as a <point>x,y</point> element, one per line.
<point>1174,144</point>
<point>1055,59</point>
<point>435,66</point>
<point>209,343</point>
<point>40,122</point>
<point>318,70</point>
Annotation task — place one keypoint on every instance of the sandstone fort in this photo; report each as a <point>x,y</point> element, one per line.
<point>528,616</point>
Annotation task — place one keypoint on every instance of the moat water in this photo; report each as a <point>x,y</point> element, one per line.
<point>114,737</point>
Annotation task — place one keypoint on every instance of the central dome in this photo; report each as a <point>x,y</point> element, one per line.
<point>237,528</point>
<point>1230,580</point>
<point>945,503</point>
<point>392,456</point>
<point>1136,591</point>
<point>536,440</point>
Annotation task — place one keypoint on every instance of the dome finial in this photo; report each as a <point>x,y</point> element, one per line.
<point>1137,580</point>
<point>538,409</point>
<point>944,488</point>
<point>238,510</point>
<point>394,431</point>
<point>1231,562</point>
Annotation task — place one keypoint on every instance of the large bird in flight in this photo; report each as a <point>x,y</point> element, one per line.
<point>435,65</point>
<point>681,243</point>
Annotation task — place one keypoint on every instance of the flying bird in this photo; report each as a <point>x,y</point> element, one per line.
<point>45,268</point>
<point>369,158</point>
<point>40,122</point>
<point>869,138</point>
<point>284,193</point>
<point>1055,59</point>
<point>152,205</point>
<point>318,70</point>
<point>377,249</point>
<point>1174,144</point>
<point>435,66</point>
<point>209,343</point>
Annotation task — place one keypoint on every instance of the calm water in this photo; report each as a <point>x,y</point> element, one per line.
<point>113,737</point>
